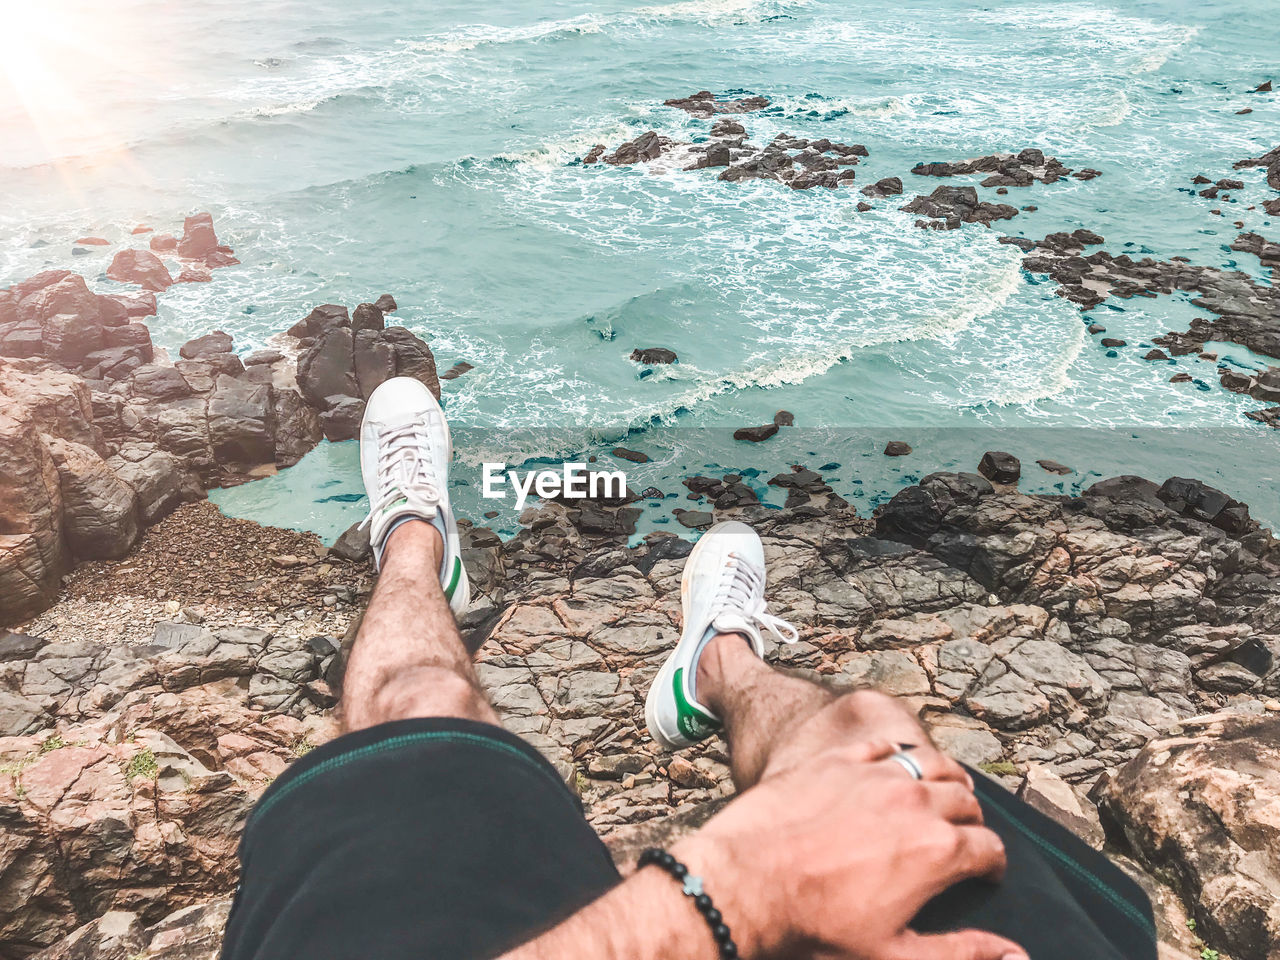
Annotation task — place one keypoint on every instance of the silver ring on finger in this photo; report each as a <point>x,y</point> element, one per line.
<point>909,764</point>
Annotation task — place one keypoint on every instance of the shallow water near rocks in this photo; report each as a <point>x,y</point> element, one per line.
<point>348,150</point>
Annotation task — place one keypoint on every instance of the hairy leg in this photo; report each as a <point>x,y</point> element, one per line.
<point>773,720</point>
<point>408,659</point>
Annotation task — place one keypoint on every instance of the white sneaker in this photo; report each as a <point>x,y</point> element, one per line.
<point>405,451</point>
<point>722,591</point>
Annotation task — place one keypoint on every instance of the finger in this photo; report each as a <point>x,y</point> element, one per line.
<point>953,802</point>
<point>870,751</point>
<point>936,765</point>
<point>961,945</point>
<point>978,853</point>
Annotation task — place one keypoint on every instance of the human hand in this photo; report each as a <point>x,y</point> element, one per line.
<point>833,857</point>
<point>864,716</point>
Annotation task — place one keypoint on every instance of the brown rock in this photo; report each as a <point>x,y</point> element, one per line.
<point>756,434</point>
<point>1192,807</point>
<point>140,267</point>
<point>198,237</point>
<point>99,510</point>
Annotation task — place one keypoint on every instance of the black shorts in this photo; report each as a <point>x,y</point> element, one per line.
<point>453,839</point>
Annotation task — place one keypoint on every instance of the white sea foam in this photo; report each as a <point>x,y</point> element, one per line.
<point>713,11</point>
<point>471,37</point>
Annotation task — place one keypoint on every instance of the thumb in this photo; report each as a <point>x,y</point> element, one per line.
<point>961,945</point>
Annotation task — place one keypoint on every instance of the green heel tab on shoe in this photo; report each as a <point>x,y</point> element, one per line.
<point>455,577</point>
<point>694,723</point>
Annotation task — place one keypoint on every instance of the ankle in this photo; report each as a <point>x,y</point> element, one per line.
<point>725,658</point>
<point>409,540</point>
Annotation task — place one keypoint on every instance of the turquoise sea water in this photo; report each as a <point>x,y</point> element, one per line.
<point>431,151</point>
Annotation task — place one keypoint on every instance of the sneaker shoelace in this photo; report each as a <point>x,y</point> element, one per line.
<point>742,589</point>
<point>405,471</point>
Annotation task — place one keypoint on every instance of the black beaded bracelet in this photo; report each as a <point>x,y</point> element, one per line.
<point>692,887</point>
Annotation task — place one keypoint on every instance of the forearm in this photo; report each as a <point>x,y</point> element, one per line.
<point>647,917</point>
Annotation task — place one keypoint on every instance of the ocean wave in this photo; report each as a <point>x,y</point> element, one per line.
<point>832,108</point>
<point>715,11</point>
<point>468,38</point>
<point>558,153</point>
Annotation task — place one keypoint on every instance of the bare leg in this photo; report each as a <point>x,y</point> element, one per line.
<point>408,659</point>
<point>773,720</point>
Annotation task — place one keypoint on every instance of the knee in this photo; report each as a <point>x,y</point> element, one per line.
<point>422,691</point>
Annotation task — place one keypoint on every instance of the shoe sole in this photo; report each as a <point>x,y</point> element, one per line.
<point>662,683</point>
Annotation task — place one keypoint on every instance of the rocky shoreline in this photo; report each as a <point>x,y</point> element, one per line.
<point>1065,645</point>
<point>1114,657</point>
<point>102,434</point>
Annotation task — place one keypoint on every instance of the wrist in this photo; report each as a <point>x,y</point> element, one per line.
<point>757,932</point>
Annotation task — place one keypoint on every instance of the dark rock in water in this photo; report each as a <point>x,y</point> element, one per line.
<point>366,316</point>
<point>1227,184</point>
<point>141,267</point>
<point>1000,467</point>
<point>1181,378</point>
<point>164,243</point>
<point>326,367</point>
<point>457,370</point>
<point>1156,354</point>
<point>1262,248</point>
<point>635,456</point>
<point>1022,243</point>
<point>1113,342</point>
<point>888,187</point>
<point>263,356</point>
<point>653,355</point>
<point>594,154</point>
<point>863,206</point>
<point>1097,328</point>
<point>695,519</point>
<point>353,545</point>
<point>1053,466</point>
<point>386,303</point>
<point>652,493</point>
<point>1200,180</point>
<point>1272,207</point>
<point>756,434</point>
<point>210,343</point>
<point>341,421</point>
<point>1088,173</point>
<point>1270,417</point>
<point>321,318</point>
<point>784,418</point>
<point>1006,169</point>
<point>897,448</point>
<point>704,104</point>
<point>952,206</point>
<point>1263,87</point>
<point>647,146</point>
